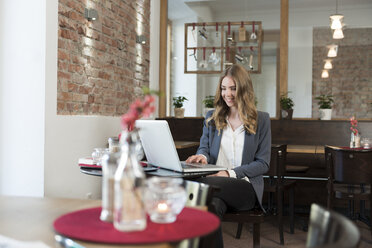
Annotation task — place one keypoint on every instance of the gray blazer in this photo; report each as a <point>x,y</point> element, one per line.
<point>256,151</point>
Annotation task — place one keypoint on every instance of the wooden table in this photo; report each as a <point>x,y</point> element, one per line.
<point>186,144</point>
<point>305,149</point>
<point>31,219</point>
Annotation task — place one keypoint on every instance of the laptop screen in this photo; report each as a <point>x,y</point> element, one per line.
<point>158,144</point>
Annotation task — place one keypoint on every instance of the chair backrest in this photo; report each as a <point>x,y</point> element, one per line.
<point>349,166</point>
<point>277,161</point>
<point>198,194</point>
<point>329,229</point>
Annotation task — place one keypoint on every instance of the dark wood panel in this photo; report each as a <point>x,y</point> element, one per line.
<point>316,132</point>
<point>185,129</point>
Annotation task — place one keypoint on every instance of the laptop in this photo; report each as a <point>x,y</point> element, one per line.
<point>158,144</point>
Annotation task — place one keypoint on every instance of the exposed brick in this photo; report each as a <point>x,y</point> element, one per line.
<point>64,75</point>
<point>350,80</point>
<point>64,96</point>
<point>98,61</point>
<point>79,97</point>
<point>62,55</point>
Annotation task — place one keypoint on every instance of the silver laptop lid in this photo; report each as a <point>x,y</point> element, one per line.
<point>158,144</point>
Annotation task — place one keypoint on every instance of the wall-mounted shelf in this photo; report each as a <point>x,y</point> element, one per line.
<point>211,47</point>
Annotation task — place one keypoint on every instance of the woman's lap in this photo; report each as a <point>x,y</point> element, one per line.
<point>238,194</point>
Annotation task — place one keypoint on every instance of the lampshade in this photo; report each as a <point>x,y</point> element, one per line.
<point>336,21</point>
<point>338,34</point>
<point>328,64</point>
<point>325,74</point>
<point>332,51</point>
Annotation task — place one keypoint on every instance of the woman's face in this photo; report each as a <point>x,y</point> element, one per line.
<point>228,91</point>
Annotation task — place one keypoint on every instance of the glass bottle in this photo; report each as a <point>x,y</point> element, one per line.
<point>129,211</point>
<point>109,167</point>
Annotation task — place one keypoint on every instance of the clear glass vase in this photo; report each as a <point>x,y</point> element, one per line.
<point>354,140</point>
<point>129,211</point>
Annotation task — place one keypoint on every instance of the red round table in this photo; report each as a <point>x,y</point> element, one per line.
<point>85,225</point>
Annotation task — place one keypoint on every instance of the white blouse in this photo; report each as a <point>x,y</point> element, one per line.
<point>231,149</point>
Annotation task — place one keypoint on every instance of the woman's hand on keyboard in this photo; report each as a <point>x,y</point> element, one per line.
<point>197,159</point>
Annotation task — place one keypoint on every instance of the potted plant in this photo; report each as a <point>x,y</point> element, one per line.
<point>325,106</point>
<point>208,104</point>
<point>286,107</point>
<point>179,112</point>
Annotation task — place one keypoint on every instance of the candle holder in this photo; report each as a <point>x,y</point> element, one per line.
<point>366,143</point>
<point>164,199</point>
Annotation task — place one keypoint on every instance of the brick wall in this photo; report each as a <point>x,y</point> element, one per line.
<point>350,80</point>
<point>101,69</point>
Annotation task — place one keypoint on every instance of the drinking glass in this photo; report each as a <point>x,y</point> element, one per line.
<point>97,155</point>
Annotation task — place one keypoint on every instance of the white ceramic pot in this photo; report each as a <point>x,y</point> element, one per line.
<point>179,112</point>
<point>325,114</point>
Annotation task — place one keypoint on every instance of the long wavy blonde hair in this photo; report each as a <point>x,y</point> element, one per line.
<point>244,99</point>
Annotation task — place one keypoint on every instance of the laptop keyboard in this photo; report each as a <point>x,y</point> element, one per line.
<point>191,165</point>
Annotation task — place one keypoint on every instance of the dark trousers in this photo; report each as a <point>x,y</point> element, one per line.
<point>230,194</point>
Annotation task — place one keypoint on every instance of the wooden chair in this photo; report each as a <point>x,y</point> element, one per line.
<point>349,177</point>
<point>276,184</point>
<point>329,229</point>
<point>254,216</point>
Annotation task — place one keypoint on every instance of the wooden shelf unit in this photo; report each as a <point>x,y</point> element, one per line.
<point>214,36</point>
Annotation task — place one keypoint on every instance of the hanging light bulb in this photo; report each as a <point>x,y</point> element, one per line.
<point>332,52</point>
<point>328,64</point>
<point>338,34</point>
<point>325,74</point>
<point>336,21</point>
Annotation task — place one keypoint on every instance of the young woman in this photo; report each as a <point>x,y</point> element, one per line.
<point>236,136</point>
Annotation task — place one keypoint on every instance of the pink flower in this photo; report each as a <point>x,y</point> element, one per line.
<point>354,125</point>
<point>138,109</point>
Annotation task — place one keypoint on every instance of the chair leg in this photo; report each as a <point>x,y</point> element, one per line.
<point>280,216</point>
<point>256,235</point>
<point>239,231</point>
<point>291,210</point>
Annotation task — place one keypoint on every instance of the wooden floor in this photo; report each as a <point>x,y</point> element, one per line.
<point>270,235</point>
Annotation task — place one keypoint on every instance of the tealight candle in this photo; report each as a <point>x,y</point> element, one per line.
<point>164,199</point>
<point>163,207</point>
<point>366,142</point>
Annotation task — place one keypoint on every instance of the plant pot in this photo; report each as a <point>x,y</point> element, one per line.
<point>205,111</point>
<point>286,114</point>
<point>179,112</point>
<point>325,114</point>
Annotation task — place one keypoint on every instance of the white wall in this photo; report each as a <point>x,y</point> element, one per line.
<point>39,149</point>
<point>22,86</point>
<point>154,46</point>
<point>301,23</point>
<point>71,137</point>
<point>182,84</point>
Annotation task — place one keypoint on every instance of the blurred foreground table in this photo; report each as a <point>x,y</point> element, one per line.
<point>31,219</point>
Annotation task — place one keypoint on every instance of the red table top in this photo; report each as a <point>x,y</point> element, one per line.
<point>85,225</point>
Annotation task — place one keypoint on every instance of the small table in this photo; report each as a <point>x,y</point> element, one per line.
<point>31,219</point>
<point>159,172</point>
